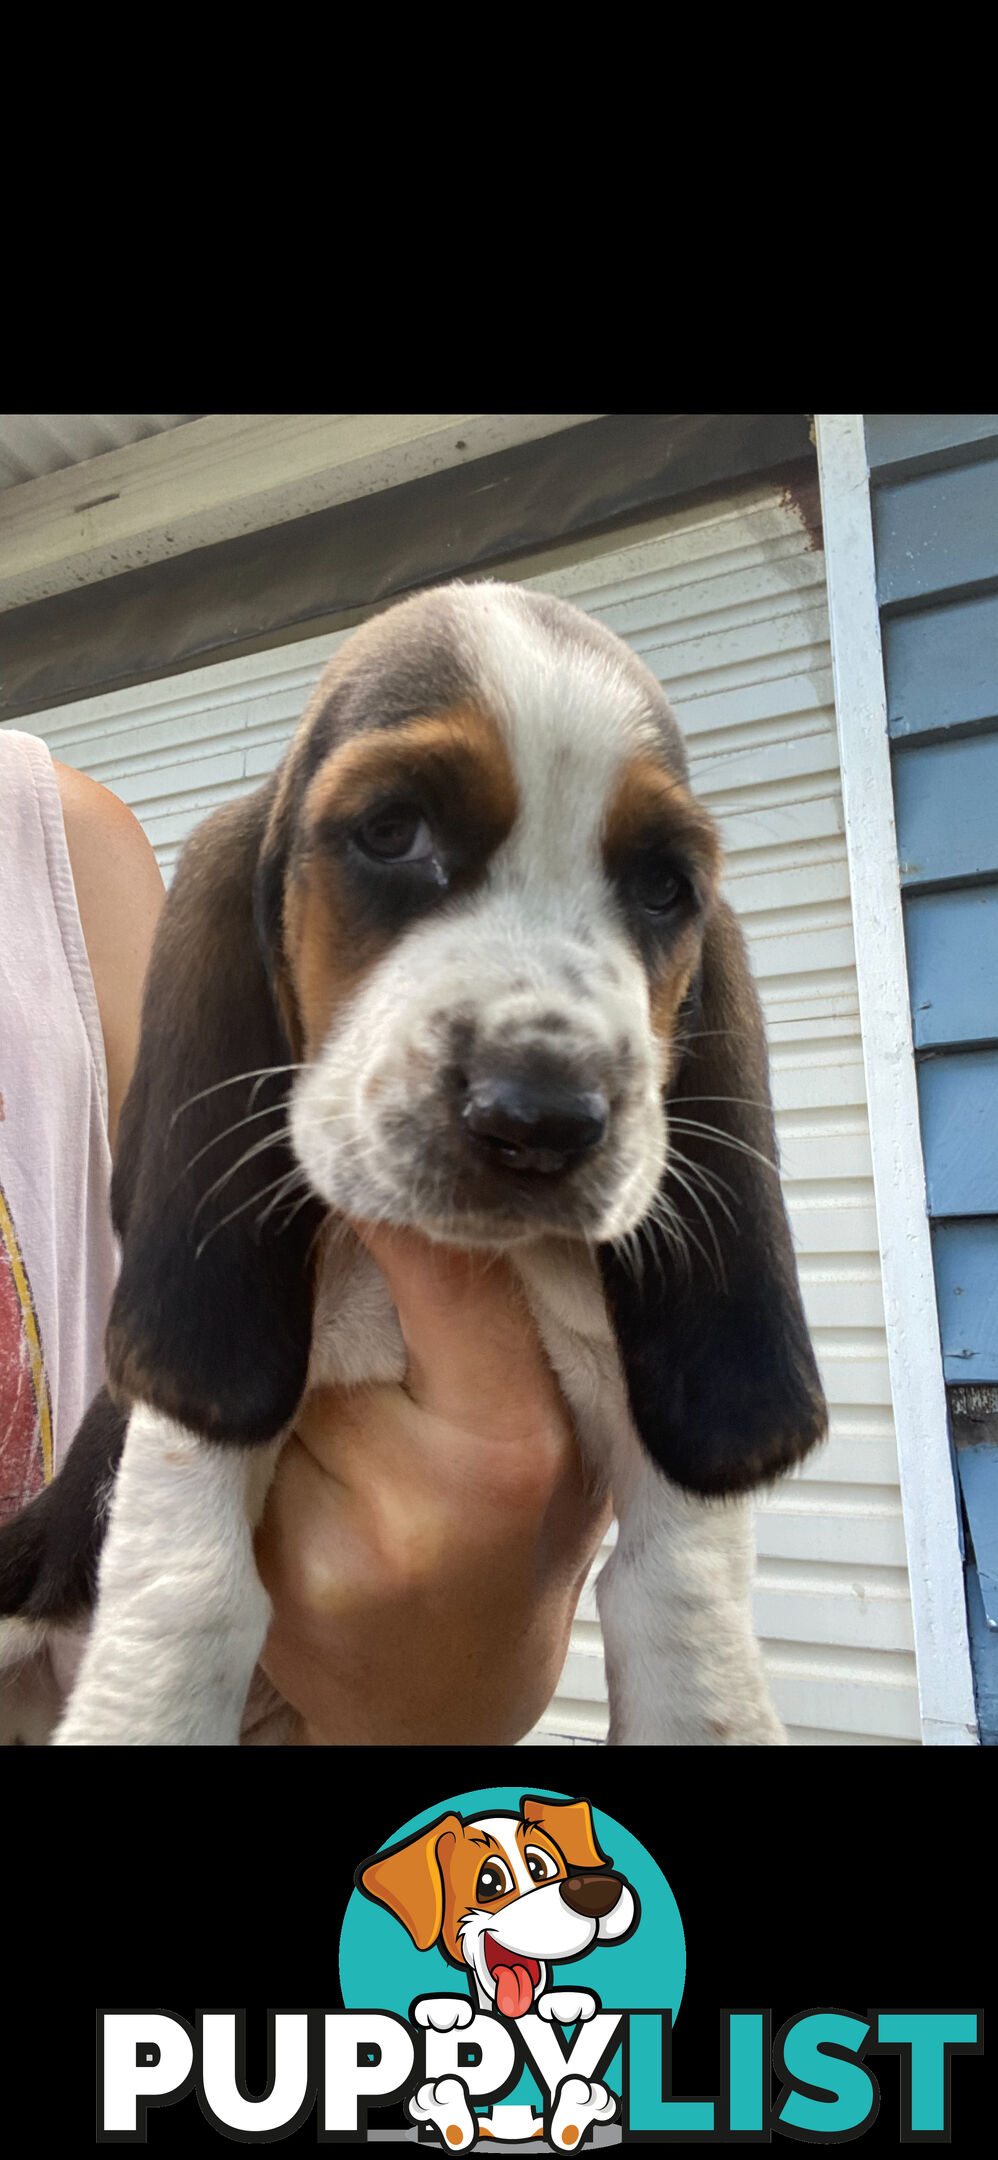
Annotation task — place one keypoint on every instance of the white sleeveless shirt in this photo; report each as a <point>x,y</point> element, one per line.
<point>58,1257</point>
<point>58,1252</point>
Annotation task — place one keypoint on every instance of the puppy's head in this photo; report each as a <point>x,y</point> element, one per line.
<point>475,919</point>
<point>506,1896</point>
<point>484,889</point>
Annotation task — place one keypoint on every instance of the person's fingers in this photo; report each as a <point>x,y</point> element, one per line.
<point>474,1352</point>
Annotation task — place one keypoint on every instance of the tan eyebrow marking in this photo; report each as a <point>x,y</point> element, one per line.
<point>648,801</point>
<point>465,740</point>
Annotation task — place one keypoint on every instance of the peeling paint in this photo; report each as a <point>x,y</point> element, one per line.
<point>803,495</point>
<point>973,1403</point>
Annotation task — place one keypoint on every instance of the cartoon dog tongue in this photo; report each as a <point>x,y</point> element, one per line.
<point>514,1990</point>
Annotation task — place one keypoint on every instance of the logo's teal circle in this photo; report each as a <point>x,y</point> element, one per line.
<point>381,1968</point>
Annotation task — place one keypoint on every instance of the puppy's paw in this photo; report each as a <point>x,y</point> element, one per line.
<point>579,2104</point>
<point>565,2006</point>
<point>444,2103</point>
<point>441,2013</point>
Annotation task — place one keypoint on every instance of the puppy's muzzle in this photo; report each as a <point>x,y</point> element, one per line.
<point>593,1896</point>
<point>530,1122</point>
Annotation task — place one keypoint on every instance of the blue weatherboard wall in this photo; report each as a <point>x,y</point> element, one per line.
<point>934,496</point>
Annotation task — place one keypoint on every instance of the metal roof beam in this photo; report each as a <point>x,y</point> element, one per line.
<point>223,476</point>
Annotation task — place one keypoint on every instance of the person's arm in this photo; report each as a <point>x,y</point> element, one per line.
<point>119,892</point>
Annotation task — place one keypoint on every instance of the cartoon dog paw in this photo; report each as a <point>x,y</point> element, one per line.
<point>443,2012</point>
<point>567,2006</point>
<point>443,2102</point>
<point>579,2104</point>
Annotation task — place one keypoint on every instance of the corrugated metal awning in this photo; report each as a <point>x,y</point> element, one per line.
<point>35,443</point>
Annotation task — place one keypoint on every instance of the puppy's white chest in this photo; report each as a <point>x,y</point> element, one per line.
<point>356,1337</point>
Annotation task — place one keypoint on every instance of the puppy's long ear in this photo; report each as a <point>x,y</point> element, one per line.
<point>410,1879</point>
<point>211,1319</point>
<point>723,1385</point>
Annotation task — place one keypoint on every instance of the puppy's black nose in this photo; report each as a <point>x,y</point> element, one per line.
<point>540,1124</point>
<point>592,1895</point>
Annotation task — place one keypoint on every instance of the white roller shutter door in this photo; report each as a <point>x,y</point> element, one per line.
<point>726,603</point>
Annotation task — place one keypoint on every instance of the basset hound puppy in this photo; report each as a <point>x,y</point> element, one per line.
<point>459,964</point>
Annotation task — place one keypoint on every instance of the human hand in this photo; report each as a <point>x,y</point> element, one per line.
<point>425,1546</point>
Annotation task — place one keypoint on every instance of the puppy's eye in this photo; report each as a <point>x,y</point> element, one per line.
<point>494,1880</point>
<point>541,1865</point>
<point>658,887</point>
<point>397,833</point>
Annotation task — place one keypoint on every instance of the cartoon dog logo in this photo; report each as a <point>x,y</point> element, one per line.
<point>506,1897</point>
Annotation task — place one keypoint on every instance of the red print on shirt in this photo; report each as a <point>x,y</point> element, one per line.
<point>25,1411</point>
